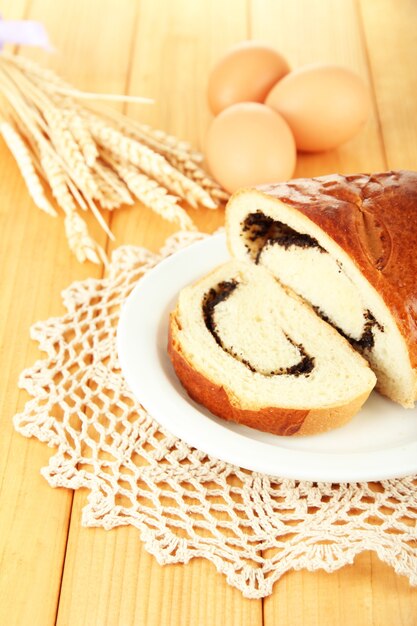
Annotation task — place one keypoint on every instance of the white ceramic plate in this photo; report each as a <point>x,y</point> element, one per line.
<point>379,442</point>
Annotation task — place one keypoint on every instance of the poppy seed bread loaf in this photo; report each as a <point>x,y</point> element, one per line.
<point>348,246</point>
<point>252,352</point>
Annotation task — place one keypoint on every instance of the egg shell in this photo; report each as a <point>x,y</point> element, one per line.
<point>245,74</point>
<point>248,144</point>
<point>324,105</point>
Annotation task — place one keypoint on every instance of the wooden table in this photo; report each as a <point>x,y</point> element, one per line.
<point>51,569</point>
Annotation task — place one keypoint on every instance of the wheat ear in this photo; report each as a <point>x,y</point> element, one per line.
<point>151,163</point>
<point>24,161</point>
<point>154,196</point>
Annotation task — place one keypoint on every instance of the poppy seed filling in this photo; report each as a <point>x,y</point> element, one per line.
<point>261,231</point>
<point>222,292</point>
<point>367,340</point>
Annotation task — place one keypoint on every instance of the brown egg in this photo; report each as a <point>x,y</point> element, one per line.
<point>249,144</point>
<point>324,105</point>
<point>245,74</point>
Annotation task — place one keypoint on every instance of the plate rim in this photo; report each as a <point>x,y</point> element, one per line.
<point>288,459</point>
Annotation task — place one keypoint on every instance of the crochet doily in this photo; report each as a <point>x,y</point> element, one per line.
<point>185,504</point>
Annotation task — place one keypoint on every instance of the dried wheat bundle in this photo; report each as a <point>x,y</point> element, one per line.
<point>94,158</point>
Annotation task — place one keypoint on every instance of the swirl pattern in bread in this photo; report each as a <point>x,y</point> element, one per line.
<point>252,352</point>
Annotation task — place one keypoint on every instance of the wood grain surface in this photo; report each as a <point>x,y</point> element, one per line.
<point>52,570</point>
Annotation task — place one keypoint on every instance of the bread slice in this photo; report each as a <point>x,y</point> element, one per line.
<point>348,246</point>
<point>252,352</point>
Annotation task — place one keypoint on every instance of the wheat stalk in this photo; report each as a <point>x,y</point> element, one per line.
<point>113,191</point>
<point>83,138</point>
<point>154,196</point>
<point>178,153</point>
<point>58,180</point>
<point>80,242</point>
<point>196,173</point>
<point>151,163</point>
<point>158,140</point>
<point>25,163</point>
<point>94,158</point>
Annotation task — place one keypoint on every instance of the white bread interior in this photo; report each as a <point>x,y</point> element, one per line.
<point>326,277</point>
<point>263,327</point>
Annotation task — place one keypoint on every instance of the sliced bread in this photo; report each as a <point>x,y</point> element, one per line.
<point>252,352</point>
<point>348,246</point>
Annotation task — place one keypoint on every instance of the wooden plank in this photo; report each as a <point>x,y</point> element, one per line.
<point>331,31</point>
<point>109,578</point>
<point>14,9</point>
<point>368,592</point>
<point>390,41</point>
<point>183,46</point>
<point>323,31</point>
<point>33,517</point>
<point>390,37</point>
